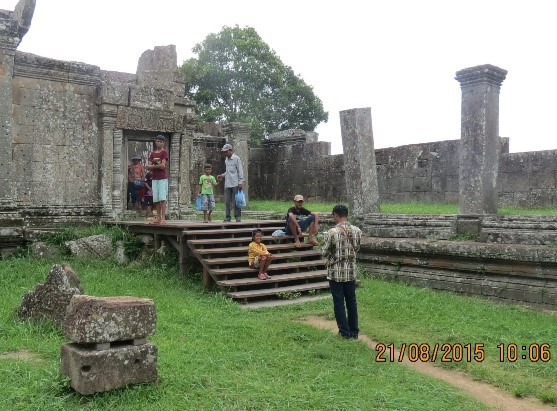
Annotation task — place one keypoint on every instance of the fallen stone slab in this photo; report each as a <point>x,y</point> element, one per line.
<point>50,299</point>
<point>95,246</point>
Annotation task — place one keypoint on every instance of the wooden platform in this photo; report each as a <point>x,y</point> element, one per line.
<point>221,248</point>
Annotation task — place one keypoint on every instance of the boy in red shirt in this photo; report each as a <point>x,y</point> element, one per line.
<point>158,160</point>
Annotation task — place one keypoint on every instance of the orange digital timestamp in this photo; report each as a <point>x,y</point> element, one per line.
<point>533,352</point>
<point>425,352</point>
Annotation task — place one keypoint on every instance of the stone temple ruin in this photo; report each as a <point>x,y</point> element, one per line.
<point>69,130</point>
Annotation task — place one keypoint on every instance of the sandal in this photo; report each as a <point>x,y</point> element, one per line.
<point>267,275</point>
<point>262,276</point>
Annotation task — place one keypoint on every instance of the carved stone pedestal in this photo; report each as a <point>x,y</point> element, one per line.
<point>92,371</point>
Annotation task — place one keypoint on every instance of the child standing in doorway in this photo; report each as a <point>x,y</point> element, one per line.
<point>147,199</point>
<point>258,255</point>
<point>206,184</point>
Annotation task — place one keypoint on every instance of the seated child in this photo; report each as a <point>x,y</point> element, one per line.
<point>258,255</point>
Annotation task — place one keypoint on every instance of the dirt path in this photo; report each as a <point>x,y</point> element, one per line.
<point>490,396</point>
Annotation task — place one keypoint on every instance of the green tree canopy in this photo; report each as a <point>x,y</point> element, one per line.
<point>238,78</point>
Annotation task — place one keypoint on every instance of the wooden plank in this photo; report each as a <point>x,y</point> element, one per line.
<point>273,267</point>
<point>277,278</point>
<point>266,292</point>
<point>247,230</point>
<point>244,240</point>
<point>243,249</point>
<point>278,256</point>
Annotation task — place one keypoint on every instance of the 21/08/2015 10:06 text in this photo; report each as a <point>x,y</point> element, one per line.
<point>456,352</point>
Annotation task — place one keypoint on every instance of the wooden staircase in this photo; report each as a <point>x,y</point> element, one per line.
<point>222,251</point>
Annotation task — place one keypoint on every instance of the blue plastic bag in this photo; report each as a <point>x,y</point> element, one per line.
<point>199,203</point>
<point>240,199</point>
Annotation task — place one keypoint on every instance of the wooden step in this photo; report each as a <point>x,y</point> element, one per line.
<point>241,240</point>
<point>247,230</point>
<point>271,247</point>
<point>253,224</point>
<point>272,267</point>
<point>278,256</point>
<point>277,278</point>
<point>266,292</point>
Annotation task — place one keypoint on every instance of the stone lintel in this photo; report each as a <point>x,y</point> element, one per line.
<point>107,319</point>
<point>151,98</point>
<point>483,74</point>
<point>134,118</point>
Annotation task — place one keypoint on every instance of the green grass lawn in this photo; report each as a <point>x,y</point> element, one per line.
<point>214,355</point>
<point>279,207</point>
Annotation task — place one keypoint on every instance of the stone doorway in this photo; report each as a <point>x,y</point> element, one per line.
<point>140,144</point>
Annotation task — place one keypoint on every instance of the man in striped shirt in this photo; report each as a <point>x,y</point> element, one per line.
<point>340,247</point>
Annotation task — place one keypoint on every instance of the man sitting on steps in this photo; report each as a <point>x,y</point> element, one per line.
<point>298,219</point>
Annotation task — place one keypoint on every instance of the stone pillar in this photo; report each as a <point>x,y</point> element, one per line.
<point>479,147</point>
<point>238,134</point>
<point>118,187</point>
<point>186,149</point>
<point>108,124</point>
<point>6,127</point>
<point>13,26</point>
<point>359,161</point>
<point>174,177</point>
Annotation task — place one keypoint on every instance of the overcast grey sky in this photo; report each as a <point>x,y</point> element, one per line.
<point>397,57</point>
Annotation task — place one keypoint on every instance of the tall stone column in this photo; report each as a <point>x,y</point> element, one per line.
<point>119,190</point>
<point>238,134</point>
<point>359,161</point>
<point>108,124</point>
<point>6,127</point>
<point>174,180</point>
<point>479,147</point>
<point>13,26</point>
<point>186,149</point>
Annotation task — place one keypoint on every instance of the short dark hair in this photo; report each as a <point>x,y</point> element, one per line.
<point>256,231</point>
<point>207,166</point>
<point>341,210</point>
<point>160,137</point>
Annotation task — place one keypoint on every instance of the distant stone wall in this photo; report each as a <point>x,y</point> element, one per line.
<point>426,172</point>
<point>528,179</point>
<point>278,172</point>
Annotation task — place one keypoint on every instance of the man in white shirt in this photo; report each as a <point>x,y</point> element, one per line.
<point>233,181</point>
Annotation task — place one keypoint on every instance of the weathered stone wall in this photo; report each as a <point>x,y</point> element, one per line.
<point>528,179</point>
<point>55,133</point>
<point>513,273</point>
<point>426,172</point>
<point>280,171</point>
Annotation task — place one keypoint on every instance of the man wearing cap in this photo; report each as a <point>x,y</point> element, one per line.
<point>233,181</point>
<point>299,219</point>
<point>339,248</point>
